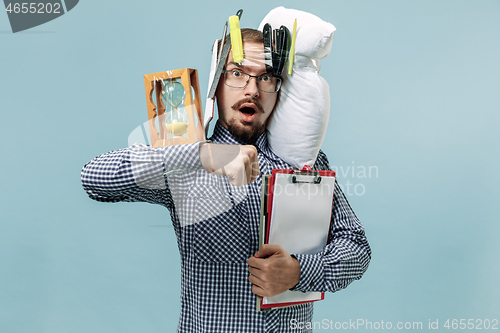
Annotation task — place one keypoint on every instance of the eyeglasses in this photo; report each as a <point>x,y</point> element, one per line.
<point>265,82</point>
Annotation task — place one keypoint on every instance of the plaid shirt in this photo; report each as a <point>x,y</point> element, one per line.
<point>217,229</point>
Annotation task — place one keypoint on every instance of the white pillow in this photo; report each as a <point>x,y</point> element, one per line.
<point>297,128</point>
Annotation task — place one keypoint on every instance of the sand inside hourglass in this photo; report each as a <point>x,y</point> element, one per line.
<point>176,129</point>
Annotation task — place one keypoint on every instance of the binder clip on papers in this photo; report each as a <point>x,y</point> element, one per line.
<point>306,171</point>
<point>277,44</point>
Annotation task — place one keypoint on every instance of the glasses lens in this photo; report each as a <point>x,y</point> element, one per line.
<point>268,83</point>
<point>236,78</point>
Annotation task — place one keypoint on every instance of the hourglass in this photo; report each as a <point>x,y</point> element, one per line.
<point>174,107</point>
<point>174,95</point>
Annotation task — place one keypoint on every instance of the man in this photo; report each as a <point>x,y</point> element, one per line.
<point>212,191</point>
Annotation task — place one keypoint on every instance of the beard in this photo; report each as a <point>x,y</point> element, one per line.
<point>246,134</point>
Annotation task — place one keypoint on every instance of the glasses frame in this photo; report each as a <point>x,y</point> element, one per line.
<point>278,84</point>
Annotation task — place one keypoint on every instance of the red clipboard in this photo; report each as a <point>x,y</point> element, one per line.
<point>294,204</point>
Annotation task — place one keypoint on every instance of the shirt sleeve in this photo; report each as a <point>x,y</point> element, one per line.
<point>344,259</point>
<point>138,173</point>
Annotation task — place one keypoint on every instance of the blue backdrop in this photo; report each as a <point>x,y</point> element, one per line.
<point>415,90</point>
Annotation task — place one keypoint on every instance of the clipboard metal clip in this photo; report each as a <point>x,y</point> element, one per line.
<point>306,171</point>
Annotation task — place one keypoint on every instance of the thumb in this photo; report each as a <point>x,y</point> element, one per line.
<point>268,250</point>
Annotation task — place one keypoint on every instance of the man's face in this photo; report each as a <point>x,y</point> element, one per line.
<point>245,112</point>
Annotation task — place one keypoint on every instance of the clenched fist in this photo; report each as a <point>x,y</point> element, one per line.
<point>239,163</point>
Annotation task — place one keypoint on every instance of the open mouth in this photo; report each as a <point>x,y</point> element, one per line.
<point>247,110</point>
<point>247,113</point>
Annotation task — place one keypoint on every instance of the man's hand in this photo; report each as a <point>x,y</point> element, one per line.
<point>273,271</point>
<point>239,163</point>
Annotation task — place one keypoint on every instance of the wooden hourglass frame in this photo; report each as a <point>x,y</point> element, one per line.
<point>153,83</point>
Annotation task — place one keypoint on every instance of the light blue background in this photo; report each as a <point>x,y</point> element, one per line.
<point>415,89</point>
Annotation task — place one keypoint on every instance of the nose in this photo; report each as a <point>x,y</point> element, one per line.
<point>251,90</point>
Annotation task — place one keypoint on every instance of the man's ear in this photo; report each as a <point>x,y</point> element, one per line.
<point>220,86</point>
<point>220,117</point>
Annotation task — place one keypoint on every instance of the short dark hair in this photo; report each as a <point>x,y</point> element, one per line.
<point>248,35</point>
<point>252,35</point>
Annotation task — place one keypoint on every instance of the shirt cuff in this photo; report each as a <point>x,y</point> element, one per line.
<point>311,273</point>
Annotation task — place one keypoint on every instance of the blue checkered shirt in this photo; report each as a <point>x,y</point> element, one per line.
<point>217,229</point>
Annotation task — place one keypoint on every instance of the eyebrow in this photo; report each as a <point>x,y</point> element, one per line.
<point>235,64</point>
<point>241,66</point>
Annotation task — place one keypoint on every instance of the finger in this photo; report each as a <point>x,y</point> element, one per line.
<point>243,169</point>
<point>251,261</point>
<point>255,170</point>
<point>248,169</point>
<point>258,287</point>
<point>260,278</point>
<point>258,291</point>
<point>255,262</point>
<point>254,271</point>
<point>267,250</point>
<point>255,280</point>
<point>251,163</point>
<point>255,165</point>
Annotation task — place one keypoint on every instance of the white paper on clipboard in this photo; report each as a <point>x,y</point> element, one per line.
<point>300,222</point>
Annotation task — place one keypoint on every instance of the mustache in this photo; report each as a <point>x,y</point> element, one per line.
<point>252,100</point>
